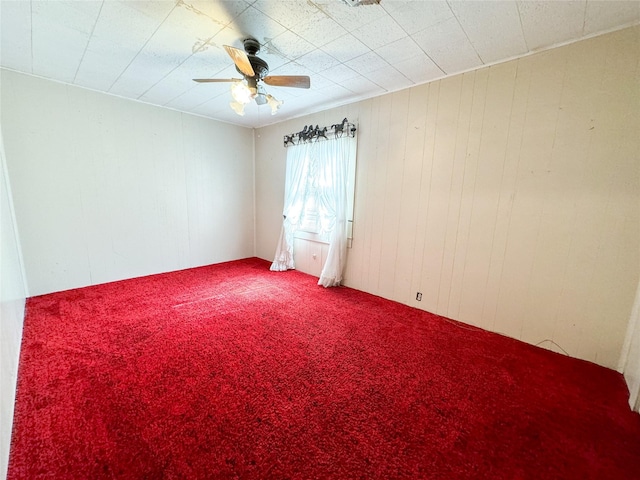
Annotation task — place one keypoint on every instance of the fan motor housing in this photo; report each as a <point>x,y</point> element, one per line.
<point>251,46</point>
<point>260,67</point>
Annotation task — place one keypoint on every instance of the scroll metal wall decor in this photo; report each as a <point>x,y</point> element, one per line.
<point>314,134</point>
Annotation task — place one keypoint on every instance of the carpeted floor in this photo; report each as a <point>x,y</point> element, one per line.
<point>233,371</point>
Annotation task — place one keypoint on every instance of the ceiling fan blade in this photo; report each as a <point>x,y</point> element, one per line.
<point>216,80</point>
<point>241,60</point>
<point>295,81</point>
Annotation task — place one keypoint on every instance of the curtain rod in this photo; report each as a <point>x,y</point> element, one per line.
<point>314,134</point>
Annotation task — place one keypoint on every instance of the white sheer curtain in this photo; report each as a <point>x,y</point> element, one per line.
<point>333,175</point>
<point>294,195</point>
<point>330,160</point>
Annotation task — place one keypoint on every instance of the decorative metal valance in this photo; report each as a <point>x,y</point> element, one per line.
<point>314,134</point>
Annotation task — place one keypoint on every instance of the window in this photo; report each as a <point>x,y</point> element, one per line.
<point>318,203</point>
<point>316,218</point>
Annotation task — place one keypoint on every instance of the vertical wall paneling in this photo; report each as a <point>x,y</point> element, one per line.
<point>367,148</point>
<point>496,133</point>
<point>458,179</point>
<point>310,256</point>
<point>510,200</point>
<point>420,230</point>
<point>379,164</point>
<point>410,208</point>
<point>439,203</point>
<point>392,155</point>
<point>107,189</point>
<point>269,190</point>
<point>544,179</point>
<point>463,264</point>
<point>493,311</point>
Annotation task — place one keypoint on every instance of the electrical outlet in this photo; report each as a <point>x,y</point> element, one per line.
<point>419,296</point>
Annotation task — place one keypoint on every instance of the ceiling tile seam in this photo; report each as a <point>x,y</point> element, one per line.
<point>199,104</point>
<point>374,95</point>
<point>165,76</point>
<point>129,99</point>
<point>142,48</point>
<point>356,94</point>
<point>190,7</point>
<point>387,90</point>
<point>266,14</point>
<point>194,96</point>
<point>316,49</point>
<point>420,47</point>
<point>187,91</point>
<point>324,13</point>
<point>387,62</point>
<point>325,43</point>
<point>178,96</point>
<point>269,48</point>
<point>396,21</point>
<point>315,45</point>
<point>205,101</point>
<point>31,34</point>
<point>86,47</point>
<point>465,33</point>
<point>336,20</point>
<point>415,43</point>
<point>382,58</point>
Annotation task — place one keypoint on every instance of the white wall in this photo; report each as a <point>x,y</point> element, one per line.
<point>106,188</point>
<point>12,301</point>
<point>509,196</point>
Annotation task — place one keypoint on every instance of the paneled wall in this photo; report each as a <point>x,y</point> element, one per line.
<point>508,196</point>
<point>107,189</point>
<point>310,255</point>
<point>12,301</point>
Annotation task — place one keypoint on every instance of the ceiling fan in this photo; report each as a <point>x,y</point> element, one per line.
<point>255,70</point>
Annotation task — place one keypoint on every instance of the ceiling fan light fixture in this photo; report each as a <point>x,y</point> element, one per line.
<point>274,104</point>
<point>255,70</point>
<point>241,93</point>
<point>238,107</point>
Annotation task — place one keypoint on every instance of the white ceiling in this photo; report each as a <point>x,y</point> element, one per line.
<point>151,50</point>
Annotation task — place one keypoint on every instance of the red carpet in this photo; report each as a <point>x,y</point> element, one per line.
<point>233,371</point>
